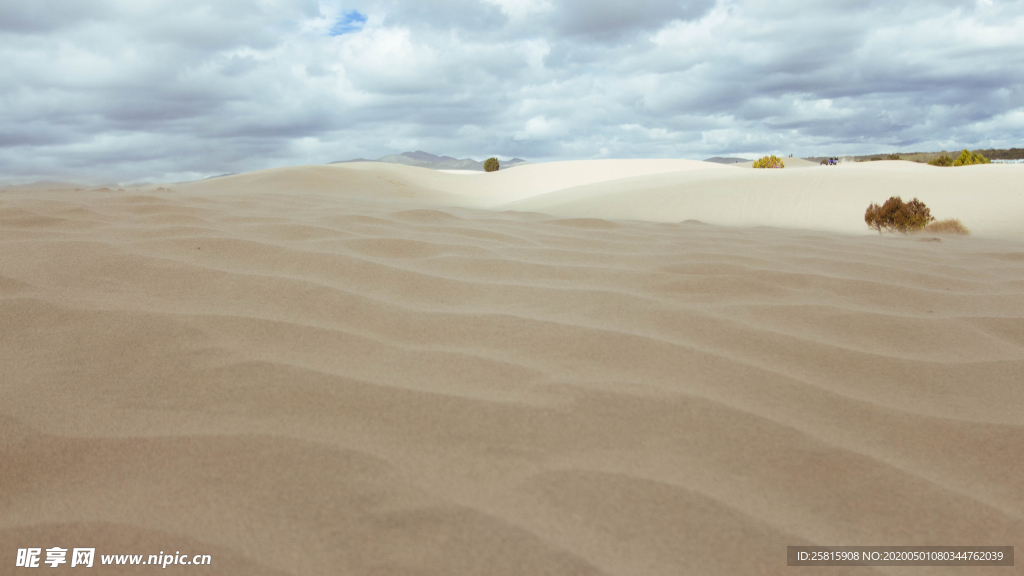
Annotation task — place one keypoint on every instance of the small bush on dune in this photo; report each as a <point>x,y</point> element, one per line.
<point>491,165</point>
<point>947,226</point>
<point>772,161</point>
<point>898,216</point>
<point>893,157</point>
<point>967,158</point>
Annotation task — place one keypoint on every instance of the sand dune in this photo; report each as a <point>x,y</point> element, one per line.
<point>480,189</point>
<point>989,199</point>
<point>353,370</point>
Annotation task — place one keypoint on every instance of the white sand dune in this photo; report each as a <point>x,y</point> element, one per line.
<point>989,199</point>
<point>374,180</point>
<point>359,370</point>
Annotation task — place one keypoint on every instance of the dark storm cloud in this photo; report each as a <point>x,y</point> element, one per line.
<point>611,19</point>
<point>43,16</point>
<point>162,89</point>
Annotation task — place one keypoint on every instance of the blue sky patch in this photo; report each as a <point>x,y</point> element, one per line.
<point>349,22</point>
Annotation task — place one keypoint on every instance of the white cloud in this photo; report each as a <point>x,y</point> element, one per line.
<point>540,127</point>
<point>148,89</point>
<point>519,9</point>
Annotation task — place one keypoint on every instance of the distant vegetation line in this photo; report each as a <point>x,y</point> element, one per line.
<point>1011,154</point>
<point>924,157</point>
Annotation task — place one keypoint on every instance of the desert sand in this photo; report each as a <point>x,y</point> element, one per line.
<point>607,367</point>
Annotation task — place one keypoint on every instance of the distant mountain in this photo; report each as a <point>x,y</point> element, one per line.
<point>428,160</point>
<point>721,160</point>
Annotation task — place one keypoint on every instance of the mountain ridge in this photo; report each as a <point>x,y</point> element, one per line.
<point>427,160</point>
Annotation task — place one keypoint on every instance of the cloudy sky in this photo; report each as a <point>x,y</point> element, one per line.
<point>165,90</point>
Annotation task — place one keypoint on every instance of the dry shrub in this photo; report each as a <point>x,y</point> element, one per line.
<point>898,216</point>
<point>491,165</point>
<point>947,226</point>
<point>772,161</point>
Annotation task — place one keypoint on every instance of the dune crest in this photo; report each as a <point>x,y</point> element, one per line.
<point>989,198</point>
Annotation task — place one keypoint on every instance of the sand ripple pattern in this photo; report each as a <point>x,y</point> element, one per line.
<point>300,384</point>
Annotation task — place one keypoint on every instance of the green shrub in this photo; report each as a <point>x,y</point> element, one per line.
<point>772,161</point>
<point>893,157</point>
<point>944,160</point>
<point>898,216</point>
<point>491,165</point>
<point>947,226</point>
<point>967,158</point>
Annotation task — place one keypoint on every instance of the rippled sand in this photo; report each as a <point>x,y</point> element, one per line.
<point>327,383</point>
